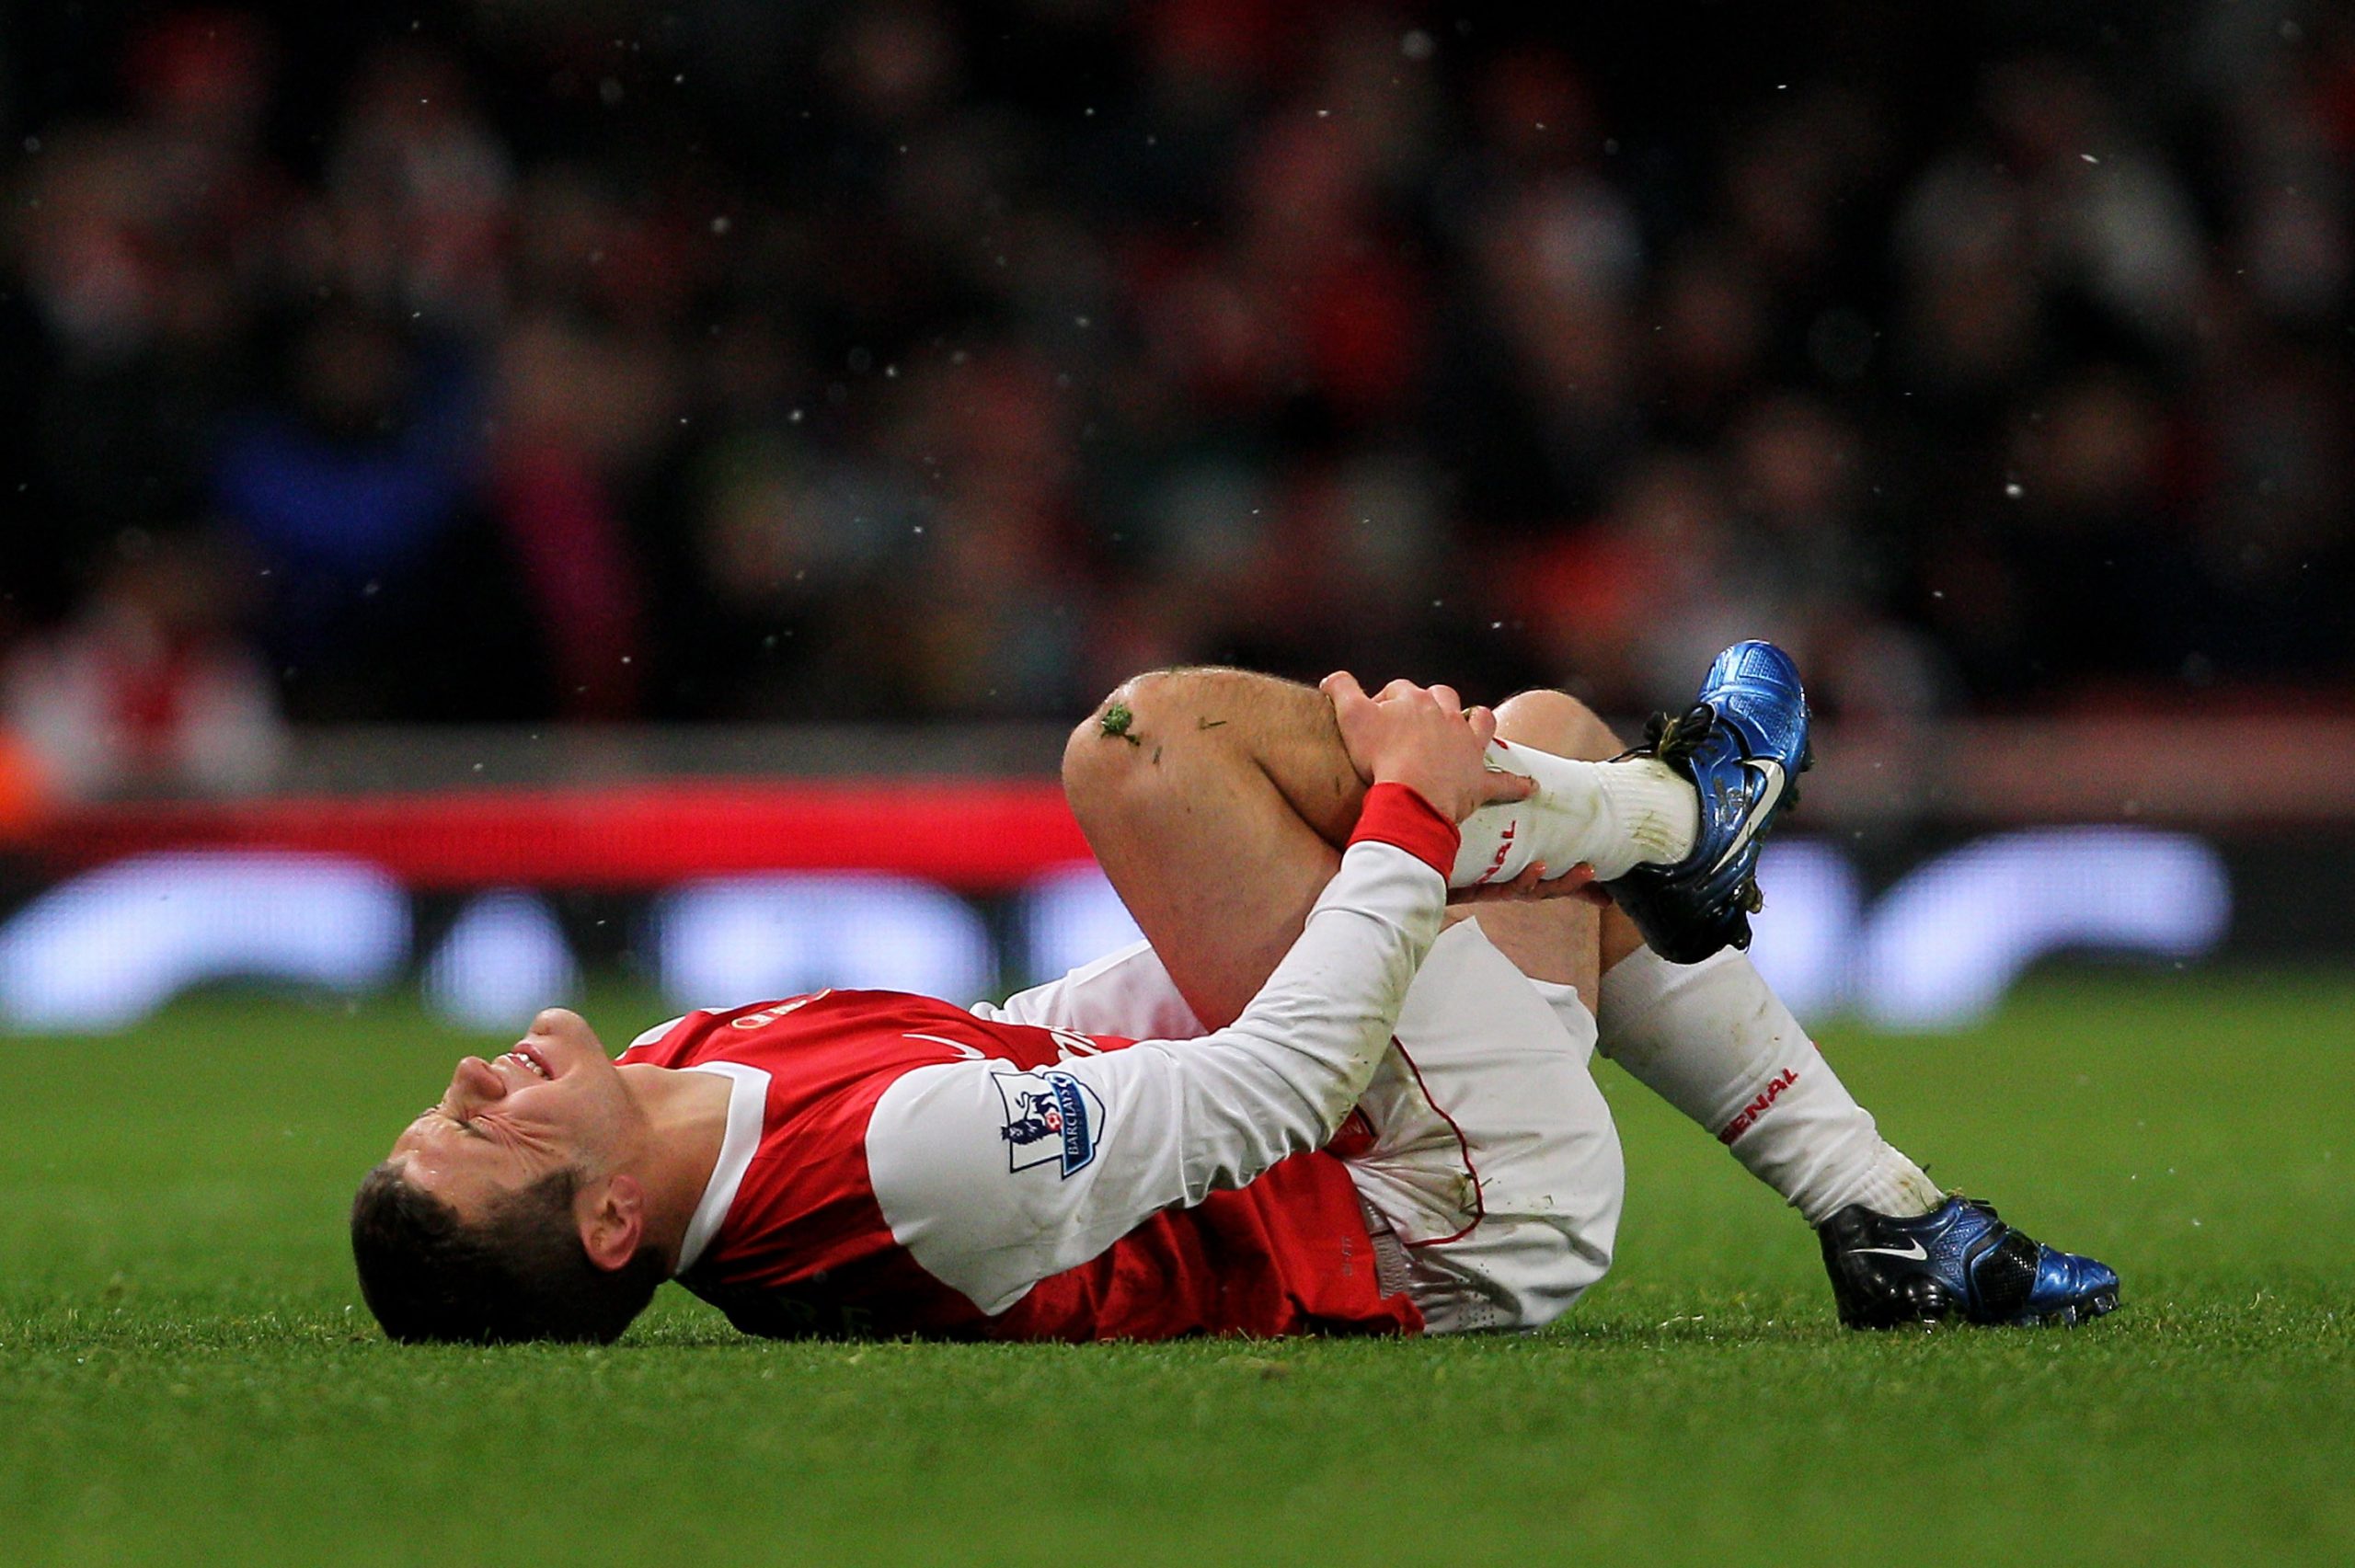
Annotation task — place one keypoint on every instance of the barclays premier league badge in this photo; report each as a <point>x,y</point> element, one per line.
<point>1051,1118</point>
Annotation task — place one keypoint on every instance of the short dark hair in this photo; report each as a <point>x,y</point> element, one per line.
<point>520,1273</point>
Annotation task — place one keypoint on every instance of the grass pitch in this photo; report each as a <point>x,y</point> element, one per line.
<point>185,1375</point>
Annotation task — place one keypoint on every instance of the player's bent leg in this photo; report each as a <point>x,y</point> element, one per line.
<point>1216,801</point>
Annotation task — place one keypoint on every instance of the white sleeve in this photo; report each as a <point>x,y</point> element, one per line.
<point>995,1178</point>
<point>1127,993</point>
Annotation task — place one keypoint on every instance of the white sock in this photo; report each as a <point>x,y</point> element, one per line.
<point>1711,1040</point>
<point>1612,816</point>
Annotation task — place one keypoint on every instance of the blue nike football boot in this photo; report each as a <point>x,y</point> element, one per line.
<point>1744,744</point>
<point>1958,1261</point>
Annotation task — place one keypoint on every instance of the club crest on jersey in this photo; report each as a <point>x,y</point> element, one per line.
<point>1051,1118</point>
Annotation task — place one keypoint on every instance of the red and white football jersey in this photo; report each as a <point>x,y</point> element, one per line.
<point>805,1246</point>
<point>894,1164</point>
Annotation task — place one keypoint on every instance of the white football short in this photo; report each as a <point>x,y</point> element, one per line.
<point>1493,1181</point>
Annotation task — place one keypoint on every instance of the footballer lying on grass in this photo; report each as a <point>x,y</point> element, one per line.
<point>1317,1100</point>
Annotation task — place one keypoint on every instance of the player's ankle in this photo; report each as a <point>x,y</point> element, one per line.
<point>1886,1183</point>
<point>1612,816</point>
<point>1656,808</point>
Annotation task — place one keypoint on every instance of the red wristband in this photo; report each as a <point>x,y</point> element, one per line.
<point>1394,814</point>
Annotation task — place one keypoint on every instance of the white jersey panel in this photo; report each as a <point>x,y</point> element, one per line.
<point>1128,993</point>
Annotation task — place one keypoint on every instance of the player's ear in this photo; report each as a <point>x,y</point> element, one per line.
<point>611,1212</point>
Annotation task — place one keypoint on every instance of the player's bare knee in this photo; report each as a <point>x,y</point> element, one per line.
<point>1102,754</point>
<point>1089,764</point>
<point>1557,722</point>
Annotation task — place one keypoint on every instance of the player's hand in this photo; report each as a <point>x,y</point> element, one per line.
<point>1425,739</point>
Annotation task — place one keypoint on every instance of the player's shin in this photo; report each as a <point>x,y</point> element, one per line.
<point>1612,816</point>
<point>1714,1042</point>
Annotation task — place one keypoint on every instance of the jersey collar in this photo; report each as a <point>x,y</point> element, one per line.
<point>748,1097</point>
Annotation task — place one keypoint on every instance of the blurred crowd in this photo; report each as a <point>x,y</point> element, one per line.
<point>525,360</point>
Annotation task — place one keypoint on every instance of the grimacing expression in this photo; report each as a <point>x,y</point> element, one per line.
<point>557,1100</point>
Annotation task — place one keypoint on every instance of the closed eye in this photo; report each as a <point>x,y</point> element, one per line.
<point>467,1127</point>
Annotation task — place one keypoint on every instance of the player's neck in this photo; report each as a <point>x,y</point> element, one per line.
<point>686,1117</point>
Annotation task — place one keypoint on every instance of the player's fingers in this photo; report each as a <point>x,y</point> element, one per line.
<point>1447,698</point>
<point>1578,882</point>
<point>1498,786</point>
<point>1401,687</point>
<point>1483,720</point>
<point>1530,885</point>
<point>1342,687</point>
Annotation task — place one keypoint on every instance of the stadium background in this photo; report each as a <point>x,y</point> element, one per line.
<point>510,410</point>
<point>518,500</point>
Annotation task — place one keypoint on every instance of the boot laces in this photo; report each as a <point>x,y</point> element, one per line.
<point>1672,738</point>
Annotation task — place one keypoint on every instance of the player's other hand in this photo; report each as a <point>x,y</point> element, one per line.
<point>1424,738</point>
<point>1536,884</point>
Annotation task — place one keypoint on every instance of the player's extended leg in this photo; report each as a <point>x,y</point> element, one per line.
<point>1710,1038</point>
<point>1714,1040</point>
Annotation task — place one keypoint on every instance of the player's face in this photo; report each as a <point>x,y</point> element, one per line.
<point>555,1099</point>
